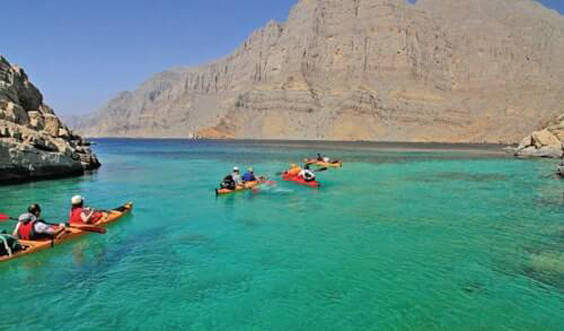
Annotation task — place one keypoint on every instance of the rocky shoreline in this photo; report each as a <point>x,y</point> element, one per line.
<point>34,143</point>
<point>548,142</point>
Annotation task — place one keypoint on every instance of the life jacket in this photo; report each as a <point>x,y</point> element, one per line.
<point>74,215</point>
<point>26,231</point>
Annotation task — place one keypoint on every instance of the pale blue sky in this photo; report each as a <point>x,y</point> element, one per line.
<point>81,53</point>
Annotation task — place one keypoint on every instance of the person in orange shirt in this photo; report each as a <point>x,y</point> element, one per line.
<point>294,170</point>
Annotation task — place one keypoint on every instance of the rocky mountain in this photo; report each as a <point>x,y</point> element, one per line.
<point>34,143</point>
<point>437,70</point>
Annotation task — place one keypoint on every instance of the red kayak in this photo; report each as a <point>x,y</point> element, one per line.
<point>300,180</point>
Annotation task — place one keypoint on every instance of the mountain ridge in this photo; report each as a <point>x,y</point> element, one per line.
<point>436,70</point>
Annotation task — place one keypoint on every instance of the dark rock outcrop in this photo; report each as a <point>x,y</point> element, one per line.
<point>34,144</point>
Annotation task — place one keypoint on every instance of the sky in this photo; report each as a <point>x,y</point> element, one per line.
<point>82,53</point>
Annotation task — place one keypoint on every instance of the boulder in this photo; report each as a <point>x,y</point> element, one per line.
<point>544,138</point>
<point>526,142</point>
<point>36,120</point>
<point>52,125</point>
<point>554,151</point>
<point>559,134</point>
<point>44,109</point>
<point>43,144</point>
<point>15,113</point>
<point>64,133</point>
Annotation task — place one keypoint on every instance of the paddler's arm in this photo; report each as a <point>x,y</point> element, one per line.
<point>50,229</point>
<point>15,233</point>
<point>86,218</point>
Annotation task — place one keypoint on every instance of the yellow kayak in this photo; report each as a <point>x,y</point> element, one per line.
<point>244,187</point>
<point>334,164</point>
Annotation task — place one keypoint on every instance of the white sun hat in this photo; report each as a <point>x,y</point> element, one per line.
<point>77,199</point>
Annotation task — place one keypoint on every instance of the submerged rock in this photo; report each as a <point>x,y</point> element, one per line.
<point>34,144</point>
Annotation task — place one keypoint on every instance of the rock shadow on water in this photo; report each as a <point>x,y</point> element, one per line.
<point>97,269</point>
<point>543,264</point>
<point>475,288</point>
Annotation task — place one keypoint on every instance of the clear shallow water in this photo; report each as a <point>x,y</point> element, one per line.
<point>400,238</point>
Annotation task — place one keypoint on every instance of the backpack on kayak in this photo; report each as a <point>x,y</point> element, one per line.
<point>228,183</point>
<point>9,245</point>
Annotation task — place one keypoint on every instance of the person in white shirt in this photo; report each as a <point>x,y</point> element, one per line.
<point>307,174</point>
<point>30,227</point>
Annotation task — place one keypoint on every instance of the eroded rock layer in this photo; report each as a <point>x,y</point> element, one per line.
<point>439,70</point>
<point>34,143</point>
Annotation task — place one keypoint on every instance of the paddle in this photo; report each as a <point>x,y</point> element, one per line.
<point>83,227</point>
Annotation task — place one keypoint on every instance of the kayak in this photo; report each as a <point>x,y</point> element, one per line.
<point>300,180</point>
<point>334,164</point>
<point>34,246</point>
<point>245,187</point>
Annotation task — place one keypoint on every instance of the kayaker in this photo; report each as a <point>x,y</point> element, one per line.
<point>249,176</point>
<point>30,227</point>
<point>307,174</point>
<point>228,183</point>
<point>82,215</point>
<point>294,170</point>
<point>236,176</point>
<point>323,158</point>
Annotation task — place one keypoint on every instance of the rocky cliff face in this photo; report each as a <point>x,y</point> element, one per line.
<point>33,142</point>
<point>439,70</point>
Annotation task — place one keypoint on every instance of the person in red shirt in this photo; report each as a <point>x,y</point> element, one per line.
<point>83,215</point>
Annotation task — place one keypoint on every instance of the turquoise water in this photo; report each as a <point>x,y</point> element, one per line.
<point>400,238</point>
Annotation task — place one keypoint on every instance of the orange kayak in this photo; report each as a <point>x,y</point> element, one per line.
<point>334,164</point>
<point>245,187</point>
<point>33,246</point>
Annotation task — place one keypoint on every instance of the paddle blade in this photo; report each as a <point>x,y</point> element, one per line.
<point>321,169</point>
<point>4,217</point>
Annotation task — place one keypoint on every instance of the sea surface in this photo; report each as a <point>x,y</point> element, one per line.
<point>403,237</point>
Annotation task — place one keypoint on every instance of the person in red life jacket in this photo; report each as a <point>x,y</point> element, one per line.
<point>82,215</point>
<point>30,227</point>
